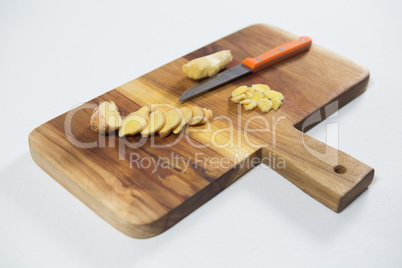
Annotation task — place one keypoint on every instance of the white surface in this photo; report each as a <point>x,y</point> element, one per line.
<point>56,54</point>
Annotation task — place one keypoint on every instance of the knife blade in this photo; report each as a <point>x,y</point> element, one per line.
<point>250,65</point>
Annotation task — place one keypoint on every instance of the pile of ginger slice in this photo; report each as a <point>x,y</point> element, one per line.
<point>258,95</point>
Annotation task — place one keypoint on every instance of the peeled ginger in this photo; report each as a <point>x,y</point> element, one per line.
<point>207,66</point>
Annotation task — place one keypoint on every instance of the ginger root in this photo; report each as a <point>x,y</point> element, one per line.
<point>105,118</point>
<point>207,66</point>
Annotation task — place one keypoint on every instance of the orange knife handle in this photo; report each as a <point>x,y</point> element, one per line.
<point>278,54</point>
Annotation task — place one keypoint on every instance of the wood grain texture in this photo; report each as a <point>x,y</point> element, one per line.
<point>145,200</point>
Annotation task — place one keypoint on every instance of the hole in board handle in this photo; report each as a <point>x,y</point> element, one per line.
<point>340,169</point>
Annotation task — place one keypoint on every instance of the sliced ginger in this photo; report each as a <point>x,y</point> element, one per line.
<point>208,115</point>
<point>198,115</point>
<point>105,118</point>
<point>187,115</point>
<point>272,94</point>
<point>276,104</point>
<point>258,95</point>
<point>163,118</point>
<point>245,102</point>
<point>238,98</point>
<point>156,122</point>
<point>248,94</point>
<point>173,119</point>
<point>265,105</point>
<point>161,107</point>
<point>135,122</point>
<point>260,87</point>
<point>250,105</point>
<point>239,90</point>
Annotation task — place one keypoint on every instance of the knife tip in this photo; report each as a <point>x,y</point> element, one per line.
<point>183,97</point>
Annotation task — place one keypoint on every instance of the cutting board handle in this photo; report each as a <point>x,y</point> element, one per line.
<point>332,177</point>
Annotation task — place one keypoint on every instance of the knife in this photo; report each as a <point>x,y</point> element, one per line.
<point>250,65</point>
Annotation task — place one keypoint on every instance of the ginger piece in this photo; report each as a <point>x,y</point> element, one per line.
<point>173,119</point>
<point>238,98</point>
<point>207,66</point>
<point>260,87</point>
<point>198,115</point>
<point>248,94</point>
<point>135,122</point>
<point>156,122</point>
<point>257,96</point>
<point>245,102</point>
<point>161,107</point>
<point>276,104</point>
<point>105,118</point>
<point>208,115</point>
<point>265,105</point>
<point>251,90</point>
<point>187,115</point>
<point>239,90</point>
<point>272,94</point>
<point>250,105</point>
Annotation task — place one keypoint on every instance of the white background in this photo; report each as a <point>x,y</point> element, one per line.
<point>56,54</point>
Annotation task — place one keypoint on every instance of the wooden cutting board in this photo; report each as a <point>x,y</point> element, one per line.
<point>144,186</point>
